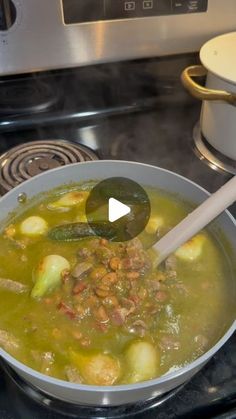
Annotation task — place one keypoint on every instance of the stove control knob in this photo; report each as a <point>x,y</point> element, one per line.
<point>7,14</point>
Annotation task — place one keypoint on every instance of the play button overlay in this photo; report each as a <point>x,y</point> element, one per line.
<point>118,209</point>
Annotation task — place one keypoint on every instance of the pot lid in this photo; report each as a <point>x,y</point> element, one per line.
<point>219,56</point>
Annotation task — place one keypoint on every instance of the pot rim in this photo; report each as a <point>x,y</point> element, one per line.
<point>125,387</point>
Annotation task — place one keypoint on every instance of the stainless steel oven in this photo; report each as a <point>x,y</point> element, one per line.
<point>48,34</point>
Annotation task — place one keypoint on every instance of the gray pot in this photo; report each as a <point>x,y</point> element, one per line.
<point>145,175</point>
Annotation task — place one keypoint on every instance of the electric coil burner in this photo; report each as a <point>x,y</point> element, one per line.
<point>210,155</point>
<point>33,96</point>
<point>29,159</point>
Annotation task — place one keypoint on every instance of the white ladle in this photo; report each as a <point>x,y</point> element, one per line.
<point>196,220</point>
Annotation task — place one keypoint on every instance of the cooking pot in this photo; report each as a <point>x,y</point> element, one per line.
<point>144,175</point>
<point>218,115</point>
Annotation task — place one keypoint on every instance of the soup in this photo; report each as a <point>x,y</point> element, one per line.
<point>93,311</point>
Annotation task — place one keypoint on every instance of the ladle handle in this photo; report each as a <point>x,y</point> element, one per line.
<point>196,220</point>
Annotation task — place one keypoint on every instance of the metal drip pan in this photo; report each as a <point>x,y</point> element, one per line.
<point>209,155</point>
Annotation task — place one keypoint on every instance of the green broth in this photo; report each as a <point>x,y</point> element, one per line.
<point>197,300</point>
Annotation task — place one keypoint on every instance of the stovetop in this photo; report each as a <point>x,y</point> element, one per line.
<point>144,116</point>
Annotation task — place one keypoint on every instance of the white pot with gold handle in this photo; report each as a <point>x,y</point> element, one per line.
<point>218,115</point>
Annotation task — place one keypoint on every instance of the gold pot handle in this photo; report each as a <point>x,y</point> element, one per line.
<point>201,92</point>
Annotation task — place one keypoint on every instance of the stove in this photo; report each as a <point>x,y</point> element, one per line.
<point>26,160</point>
<point>135,111</point>
<point>30,96</point>
<point>211,156</point>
